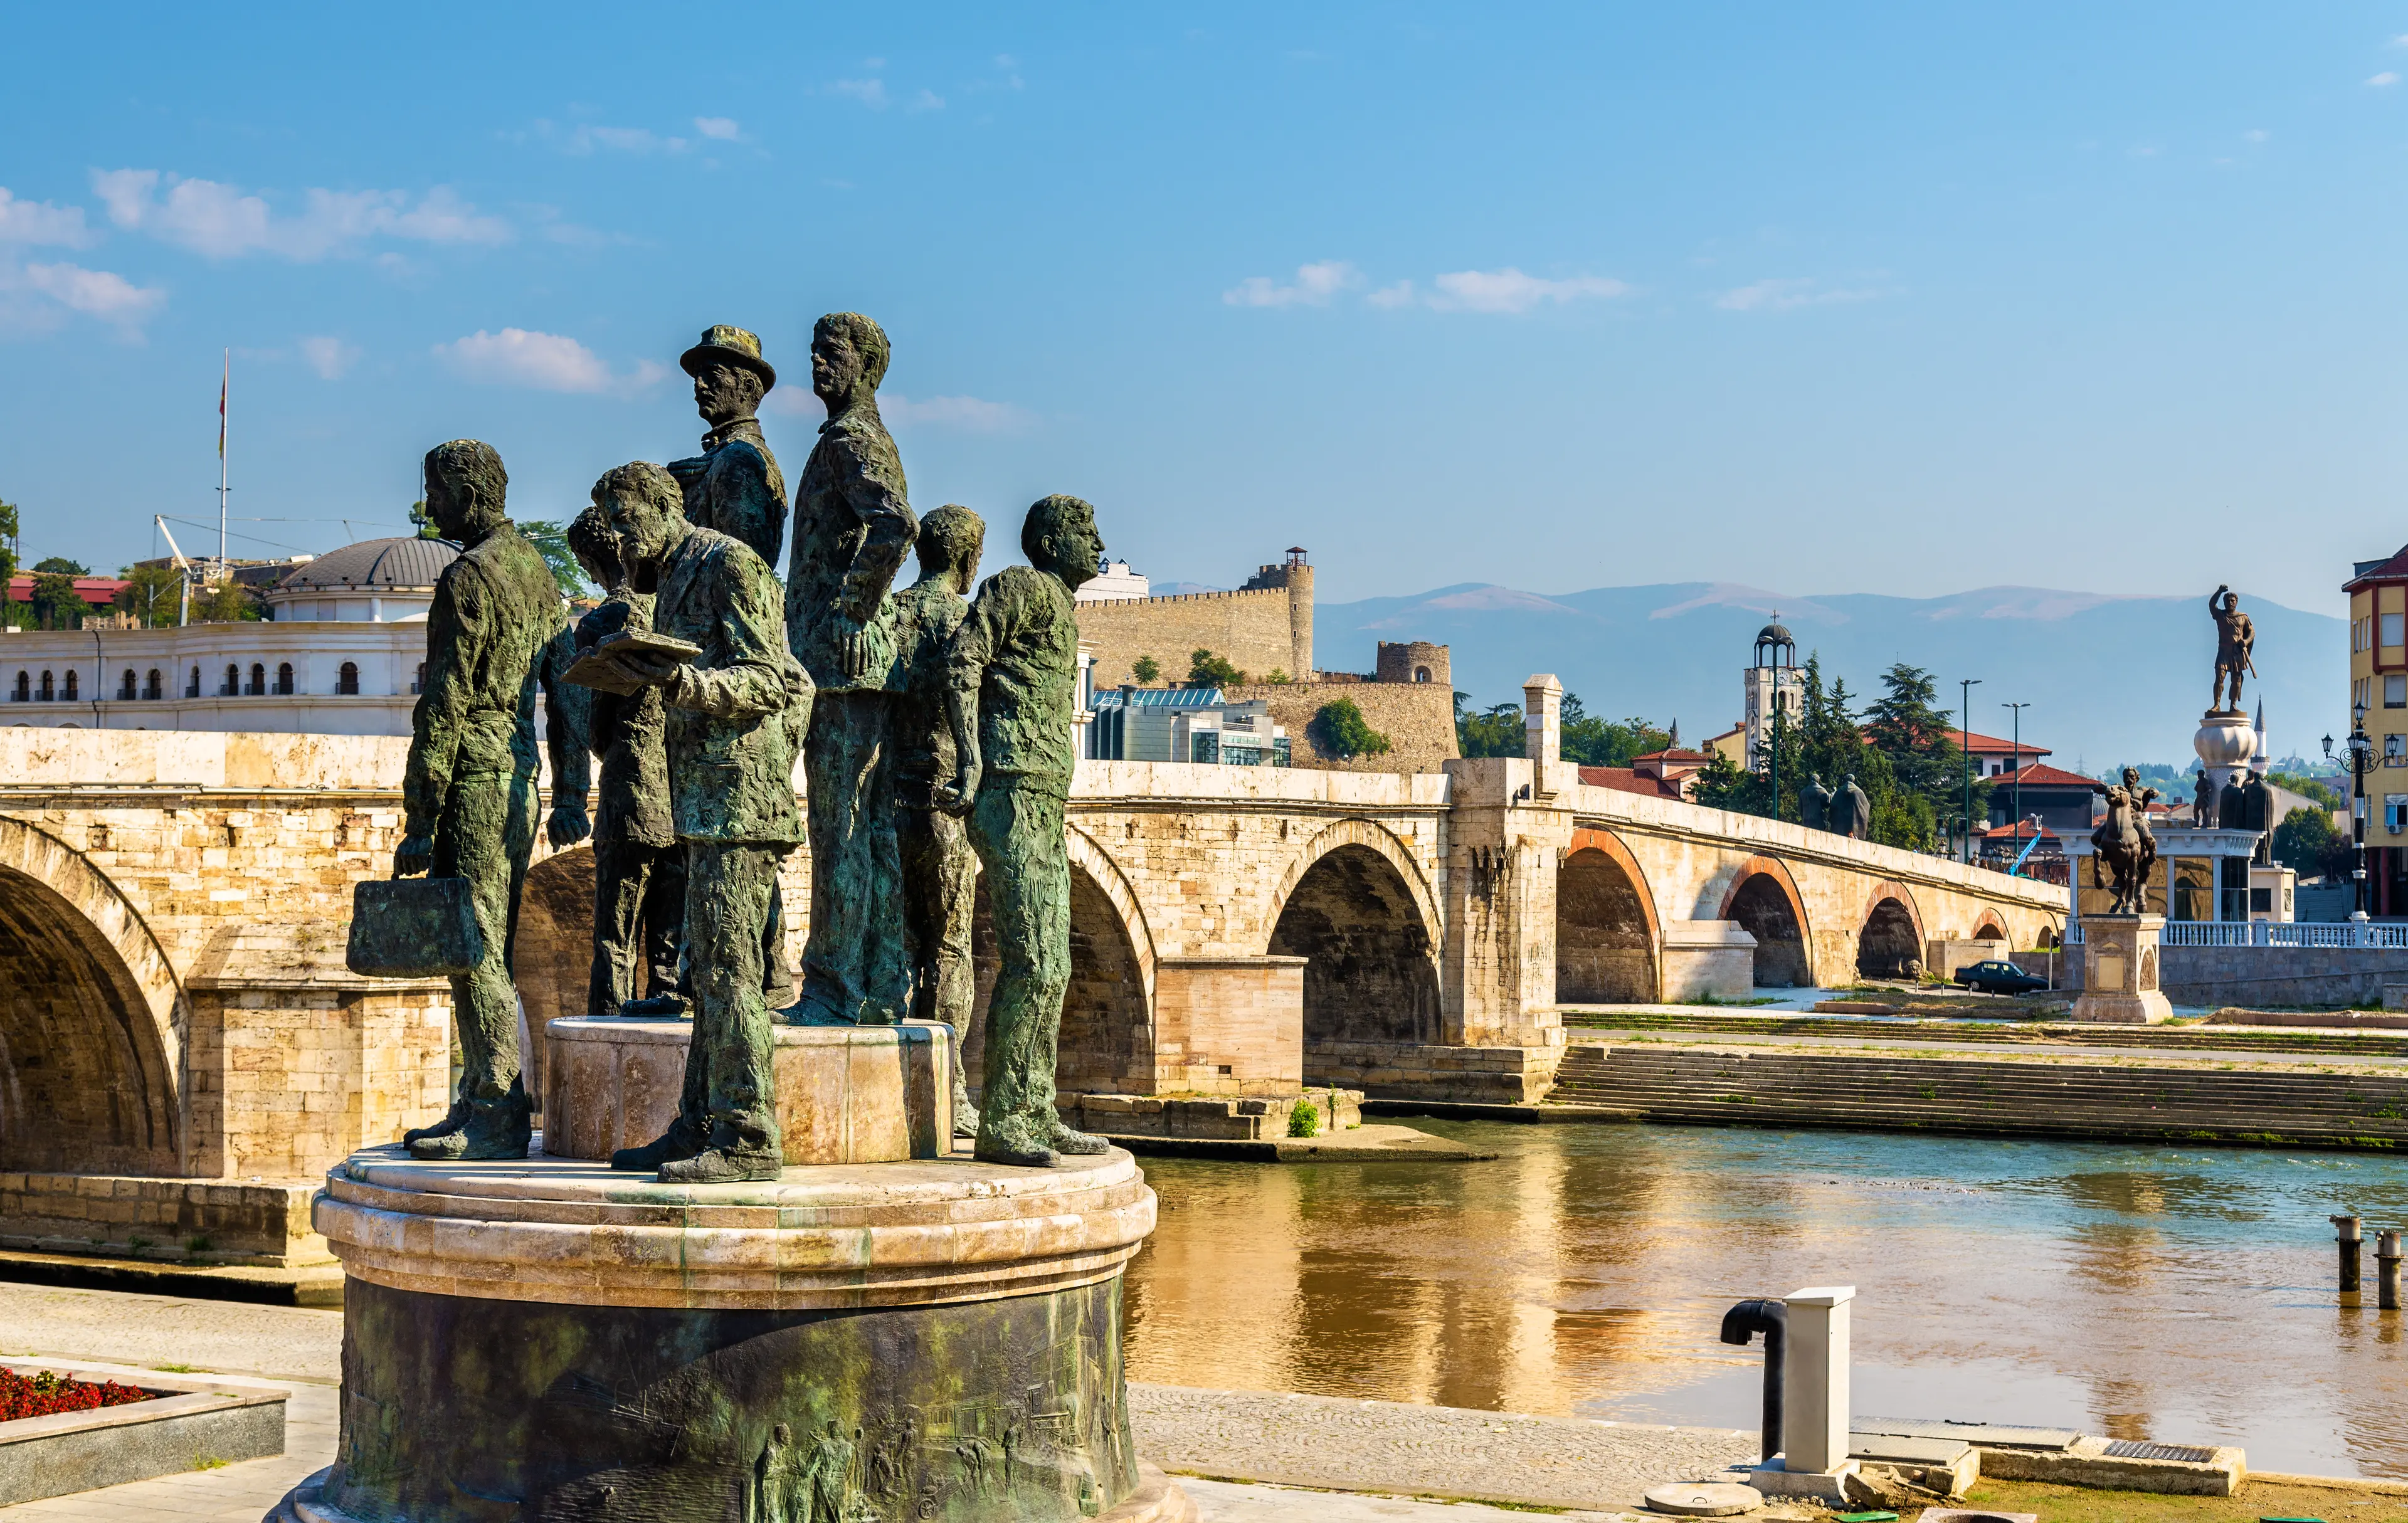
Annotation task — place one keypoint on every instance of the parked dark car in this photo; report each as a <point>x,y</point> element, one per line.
<point>1999,978</point>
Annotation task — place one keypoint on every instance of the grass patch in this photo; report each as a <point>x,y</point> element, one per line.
<point>1716,1002</point>
<point>2254,1501</point>
<point>175,1369</point>
<point>208,1461</point>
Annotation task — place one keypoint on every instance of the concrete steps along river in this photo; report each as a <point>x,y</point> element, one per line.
<point>2187,1101</point>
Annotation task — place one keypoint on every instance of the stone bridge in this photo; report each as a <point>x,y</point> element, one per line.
<point>182,1051</point>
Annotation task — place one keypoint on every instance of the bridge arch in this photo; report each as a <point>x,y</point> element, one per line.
<point>1607,940</point>
<point>1989,928</point>
<point>1763,898</point>
<point>1355,905</point>
<point>1892,931</point>
<point>92,1018</point>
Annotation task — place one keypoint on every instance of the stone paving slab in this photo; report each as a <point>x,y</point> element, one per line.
<point>1399,1447</point>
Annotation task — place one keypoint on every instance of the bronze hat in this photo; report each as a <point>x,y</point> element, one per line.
<point>725,345</point>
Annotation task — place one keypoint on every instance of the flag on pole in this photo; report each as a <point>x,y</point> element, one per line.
<point>222,380</point>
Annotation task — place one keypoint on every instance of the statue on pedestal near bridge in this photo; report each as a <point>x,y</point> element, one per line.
<point>730,749</point>
<point>469,795</point>
<point>1011,674</point>
<point>2235,638</point>
<point>853,526</point>
<point>1814,803</point>
<point>940,870</point>
<point>1849,813</point>
<point>2126,847</point>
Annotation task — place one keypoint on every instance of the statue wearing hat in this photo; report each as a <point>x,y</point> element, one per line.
<point>734,485</point>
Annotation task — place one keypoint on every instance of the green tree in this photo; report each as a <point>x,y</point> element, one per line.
<point>56,603</point>
<point>1278,677</point>
<point>1339,729</point>
<point>1209,670</point>
<point>226,602</point>
<point>1146,670</point>
<point>61,566</point>
<point>551,538</point>
<point>8,613</point>
<point>2307,787</point>
<point>1589,740</point>
<point>152,594</point>
<point>1489,732</point>
<point>1917,736</point>
<point>2307,843</point>
<point>426,529</point>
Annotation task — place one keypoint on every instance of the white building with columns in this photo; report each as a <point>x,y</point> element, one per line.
<point>343,653</point>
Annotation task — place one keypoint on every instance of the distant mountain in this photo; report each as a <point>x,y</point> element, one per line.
<point>2110,680</point>
<point>1181,589</point>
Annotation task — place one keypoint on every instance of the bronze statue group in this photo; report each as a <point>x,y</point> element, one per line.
<point>935,733</point>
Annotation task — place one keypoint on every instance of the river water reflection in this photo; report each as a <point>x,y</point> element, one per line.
<point>2182,1295</point>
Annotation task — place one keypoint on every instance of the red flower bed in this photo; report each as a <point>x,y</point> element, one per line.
<point>49,1391</point>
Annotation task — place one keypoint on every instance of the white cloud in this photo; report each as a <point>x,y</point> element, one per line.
<point>37,297</point>
<point>870,93</point>
<point>1315,285</point>
<point>971,414</point>
<point>522,357</point>
<point>1508,289</point>
<point>222,223</point>
<point>724,128</point>
<point>927,100</point>
<point>1784,296</point>
<point>588,137</point>
<point>1398,294</point>
<point>329,355</point>
<point>2384,81</point>
<point>38,221</point>
<point>2256,134</point>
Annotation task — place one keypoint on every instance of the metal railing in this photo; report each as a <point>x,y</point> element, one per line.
<point>2270,933</point>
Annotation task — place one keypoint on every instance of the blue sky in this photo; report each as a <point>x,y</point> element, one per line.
<point>1825,299</point>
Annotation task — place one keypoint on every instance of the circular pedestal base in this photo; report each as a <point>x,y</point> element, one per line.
<point>845,1094</point>
<point>548,1340</point>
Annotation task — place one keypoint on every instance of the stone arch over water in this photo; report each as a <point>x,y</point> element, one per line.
<point>91,1019</point>
<point>1764,899</point>
<point>1370,973</point>
<point>1607,940</point>
<point>1891,935</point>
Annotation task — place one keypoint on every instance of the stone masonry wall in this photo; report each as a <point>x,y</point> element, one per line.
<point>1418,719</point>
<point>1250,630</point>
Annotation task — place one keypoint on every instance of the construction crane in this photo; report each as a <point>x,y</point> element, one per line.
<point>184,586</point>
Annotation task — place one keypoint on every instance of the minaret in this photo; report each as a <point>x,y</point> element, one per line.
<point>2265,757</point>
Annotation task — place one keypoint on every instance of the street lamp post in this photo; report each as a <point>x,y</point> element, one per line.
<point>1964,687</point>
<point>2361,760</point>
<point>2016,772</point>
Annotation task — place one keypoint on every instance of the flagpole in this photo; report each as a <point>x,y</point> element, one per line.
<point>224,383</point>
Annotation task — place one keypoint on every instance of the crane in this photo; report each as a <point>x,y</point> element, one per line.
<point>184,587</point>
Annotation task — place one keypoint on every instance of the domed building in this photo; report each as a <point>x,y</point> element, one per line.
<point>342,652</point>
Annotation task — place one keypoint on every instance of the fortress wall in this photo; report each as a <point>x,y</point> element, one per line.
<point>1250,630</point>
<point>1418,719</point>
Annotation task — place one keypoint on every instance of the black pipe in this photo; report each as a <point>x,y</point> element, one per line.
<point>1771,1318</point>
<point>2347,1238</point>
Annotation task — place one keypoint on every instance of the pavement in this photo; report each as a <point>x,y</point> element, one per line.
<point>1247,1457</point>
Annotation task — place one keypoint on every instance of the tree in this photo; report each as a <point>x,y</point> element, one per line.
<point>426,529</point>
<point>1206,670</point>
<point>56,603</point>
<point>1917,737</point>
<point>225,602</point>
<point>2307,787</point>
<point>2307,843</point>
<point>7,560</point>
<point>1829,741</point>
<point>552,538</point>
<point>1591,741</point>
<point>61,566</point>
<point>152,594</point>
<point>1490,732</point>
<point>1278,677</point>
<point>1339,729</point>
<point>1146,670</point>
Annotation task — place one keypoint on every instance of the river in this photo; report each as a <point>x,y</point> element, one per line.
<point>2184,1295</point>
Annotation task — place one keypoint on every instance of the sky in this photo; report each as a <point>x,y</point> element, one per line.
<point>1906,300</point>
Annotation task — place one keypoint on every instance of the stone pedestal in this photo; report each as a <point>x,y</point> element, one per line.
<point>2119,970</point>
<point>846,1094</point>
<point>2226,742</point>
<point>931,1340</point>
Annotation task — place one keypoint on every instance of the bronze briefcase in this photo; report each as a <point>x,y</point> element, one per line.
<point>413,928</point>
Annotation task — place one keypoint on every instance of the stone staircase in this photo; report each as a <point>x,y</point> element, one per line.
<point>1964,1027</point>
<point>2195,1102</point>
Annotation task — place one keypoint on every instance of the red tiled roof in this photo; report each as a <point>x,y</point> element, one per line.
<point>1699,757</point>
<point>2392,569</point>
<point>1626,780</point>
<point>2041,775</point>
<point>1976,744</point>
<point>2019,832</point>
<point>100,591</point>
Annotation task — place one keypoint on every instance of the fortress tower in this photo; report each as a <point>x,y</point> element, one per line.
<point>1295,576</point>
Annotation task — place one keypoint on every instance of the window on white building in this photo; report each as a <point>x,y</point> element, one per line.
<point>347,679</point>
